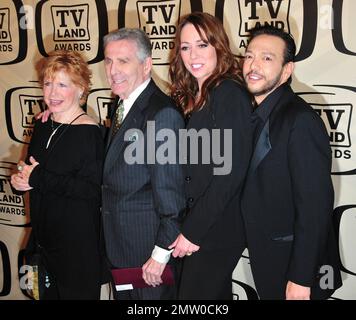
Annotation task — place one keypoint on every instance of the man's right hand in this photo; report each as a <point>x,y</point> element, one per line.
<point>43,115</point>
<point>152,271</point>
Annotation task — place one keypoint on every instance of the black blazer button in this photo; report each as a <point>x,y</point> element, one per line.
<point>188,178</point>
<point>190,199</point>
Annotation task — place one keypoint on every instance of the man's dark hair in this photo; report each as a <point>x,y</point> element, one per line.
<point>289,51</point>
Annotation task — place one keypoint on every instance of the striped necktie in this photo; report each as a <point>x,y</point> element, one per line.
<point>118,117</point>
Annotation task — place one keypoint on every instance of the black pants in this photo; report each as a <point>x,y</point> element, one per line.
<point>207,275</point>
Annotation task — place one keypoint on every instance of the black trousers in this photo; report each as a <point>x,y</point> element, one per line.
<point>207,275</point>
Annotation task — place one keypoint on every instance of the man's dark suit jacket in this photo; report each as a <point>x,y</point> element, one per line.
<point>141,203</point>
<point>288,199</point>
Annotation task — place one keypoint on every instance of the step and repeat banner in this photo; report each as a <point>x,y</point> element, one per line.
<point>325,76</point>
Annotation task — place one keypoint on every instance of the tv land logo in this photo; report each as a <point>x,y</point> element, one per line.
<point>338,119</point>
<point>5,34</point>
<point>241,16</point>
<point>158,19</point>
<point>72,28</point>
<point>244,15</point>
<point>70,23</point>
<point>13,39</point>
<point>254,13</point>
<point>12,205</point>
<point>21,106</point>
<point>307,16</point>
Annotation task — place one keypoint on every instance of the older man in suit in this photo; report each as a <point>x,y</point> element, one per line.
<point>288,197</point>
<point>142,199</point>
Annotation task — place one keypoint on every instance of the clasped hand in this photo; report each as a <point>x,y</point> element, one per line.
<point>183,247</point>
<point>20,180</point>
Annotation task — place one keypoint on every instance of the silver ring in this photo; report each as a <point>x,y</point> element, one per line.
<point>19,167</point>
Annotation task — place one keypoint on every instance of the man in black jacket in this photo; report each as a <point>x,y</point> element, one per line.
<point>288,195</point>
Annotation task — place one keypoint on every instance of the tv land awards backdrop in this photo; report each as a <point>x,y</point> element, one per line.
<point>325,76</point>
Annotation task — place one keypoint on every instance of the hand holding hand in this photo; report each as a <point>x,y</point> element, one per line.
<point>43,115</point>
<point>183,247</point>
<point>20,180</point>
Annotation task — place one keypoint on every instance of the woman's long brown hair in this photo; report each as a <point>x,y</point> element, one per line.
<point>184,87</point>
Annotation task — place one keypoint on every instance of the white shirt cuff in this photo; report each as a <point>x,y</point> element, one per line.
<point>161,255</point>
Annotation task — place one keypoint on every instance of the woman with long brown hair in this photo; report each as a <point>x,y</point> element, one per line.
<point>207,86</point>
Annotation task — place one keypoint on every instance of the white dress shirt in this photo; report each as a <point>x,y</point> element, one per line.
<point>128,103</point>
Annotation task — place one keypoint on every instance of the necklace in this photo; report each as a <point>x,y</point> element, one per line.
<point>53,132</point>
<point>52,125</point>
